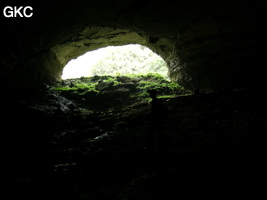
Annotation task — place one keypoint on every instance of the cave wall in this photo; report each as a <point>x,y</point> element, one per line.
<point>207,44</point>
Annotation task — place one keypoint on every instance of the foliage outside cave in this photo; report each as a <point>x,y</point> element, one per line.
<point>116,60</point>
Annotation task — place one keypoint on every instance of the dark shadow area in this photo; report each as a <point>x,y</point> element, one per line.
<point>158,119</point>
<point>210,144</point>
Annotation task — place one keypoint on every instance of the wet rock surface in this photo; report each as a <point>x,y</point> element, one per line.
<point>212,144</point>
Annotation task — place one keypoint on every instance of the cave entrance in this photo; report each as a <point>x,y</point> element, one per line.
<point>116,77</point>
<point>116,60</point>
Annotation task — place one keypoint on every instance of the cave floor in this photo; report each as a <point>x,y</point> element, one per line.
<point>210,145</point>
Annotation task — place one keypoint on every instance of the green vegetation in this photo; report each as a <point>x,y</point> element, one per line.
<point>102,92</point>
<point>75,85</point>
<point>130,59</point>
<point>116,61</point>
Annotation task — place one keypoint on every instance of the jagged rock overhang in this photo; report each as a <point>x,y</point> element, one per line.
<point>206,44</point>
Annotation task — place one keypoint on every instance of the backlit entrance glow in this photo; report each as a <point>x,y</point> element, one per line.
<point>116,60</point>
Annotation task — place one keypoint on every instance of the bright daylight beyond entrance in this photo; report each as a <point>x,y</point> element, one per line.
<point>116,60</point>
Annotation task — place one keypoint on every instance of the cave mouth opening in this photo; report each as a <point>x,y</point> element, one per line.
<point>116,60</point>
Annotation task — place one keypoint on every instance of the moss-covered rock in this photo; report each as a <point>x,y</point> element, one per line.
<point>106,92</point>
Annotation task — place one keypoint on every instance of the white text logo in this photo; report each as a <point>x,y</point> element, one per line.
<point>21,11</point>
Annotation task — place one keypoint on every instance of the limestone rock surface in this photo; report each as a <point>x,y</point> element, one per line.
<point>207,44</point>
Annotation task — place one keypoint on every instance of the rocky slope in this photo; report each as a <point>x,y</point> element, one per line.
<point>211,145</point>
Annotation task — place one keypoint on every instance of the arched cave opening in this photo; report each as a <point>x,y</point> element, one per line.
<point>116,77</point>
<point>91,138</point>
